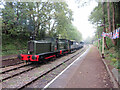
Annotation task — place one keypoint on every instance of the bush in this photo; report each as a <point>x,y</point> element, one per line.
<point>13,45</point>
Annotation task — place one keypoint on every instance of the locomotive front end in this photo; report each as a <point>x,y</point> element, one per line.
<point>30,56</point>
<point>37,50</point>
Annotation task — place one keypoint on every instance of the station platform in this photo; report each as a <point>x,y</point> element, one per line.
<point>88,71</point>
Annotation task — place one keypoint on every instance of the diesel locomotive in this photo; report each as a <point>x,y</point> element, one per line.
<point>39,50</point>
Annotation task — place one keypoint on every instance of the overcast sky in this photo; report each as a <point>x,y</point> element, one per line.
<point>81,15</point>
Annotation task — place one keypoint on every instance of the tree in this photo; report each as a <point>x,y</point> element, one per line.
<point>41,19</point>
<point>109,18</point>
<point>104,24</point>
<point>113,21</point>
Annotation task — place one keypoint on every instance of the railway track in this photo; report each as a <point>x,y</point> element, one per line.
<point>10,62</point>
<point>26,77</point>
<point>10,68</point>
<point>16,71</point>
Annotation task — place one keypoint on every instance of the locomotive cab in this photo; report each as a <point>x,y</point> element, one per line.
<point>37,47</point>
<point>82,44</point>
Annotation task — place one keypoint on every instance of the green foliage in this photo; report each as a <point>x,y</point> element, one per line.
<point>73,33</point>
<point>96,18</point>
<point>10,52</point>
<point>116,64</point>
<point>13,46</point>
<point>96,15</point>
<point>114,60</point>
<point>112,55</point>
<point>42,19</point>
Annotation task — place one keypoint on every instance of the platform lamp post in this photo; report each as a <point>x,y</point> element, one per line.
<point>103,45</point>
<point>103,48</point>
<point>98,40</point>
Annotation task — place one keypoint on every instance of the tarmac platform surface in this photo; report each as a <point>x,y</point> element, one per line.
<point>88,71</point>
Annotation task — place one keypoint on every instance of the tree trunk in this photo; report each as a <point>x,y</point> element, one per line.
<point>109,20</point>
<point>113,8</point>
<point>104,25</point>
<point>113,22</point>
<point>108,10</point>
<point>17,12</point>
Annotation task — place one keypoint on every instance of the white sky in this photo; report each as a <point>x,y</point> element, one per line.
<point>81,15</point>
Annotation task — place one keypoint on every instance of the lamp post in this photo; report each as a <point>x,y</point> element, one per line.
<point>103,48</point>
<point>98,41</point>
<point>103,43</point>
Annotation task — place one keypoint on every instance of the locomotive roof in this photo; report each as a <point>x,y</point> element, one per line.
<point>49,38</point>
<point>62,39</point>
<point>40,41</point>
<point>73,41</point>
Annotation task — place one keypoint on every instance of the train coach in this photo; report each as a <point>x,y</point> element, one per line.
<point>40,50</point>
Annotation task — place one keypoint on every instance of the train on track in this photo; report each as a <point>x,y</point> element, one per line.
<point>41,50</point>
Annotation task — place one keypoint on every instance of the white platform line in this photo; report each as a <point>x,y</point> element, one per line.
<point>65,69</point>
